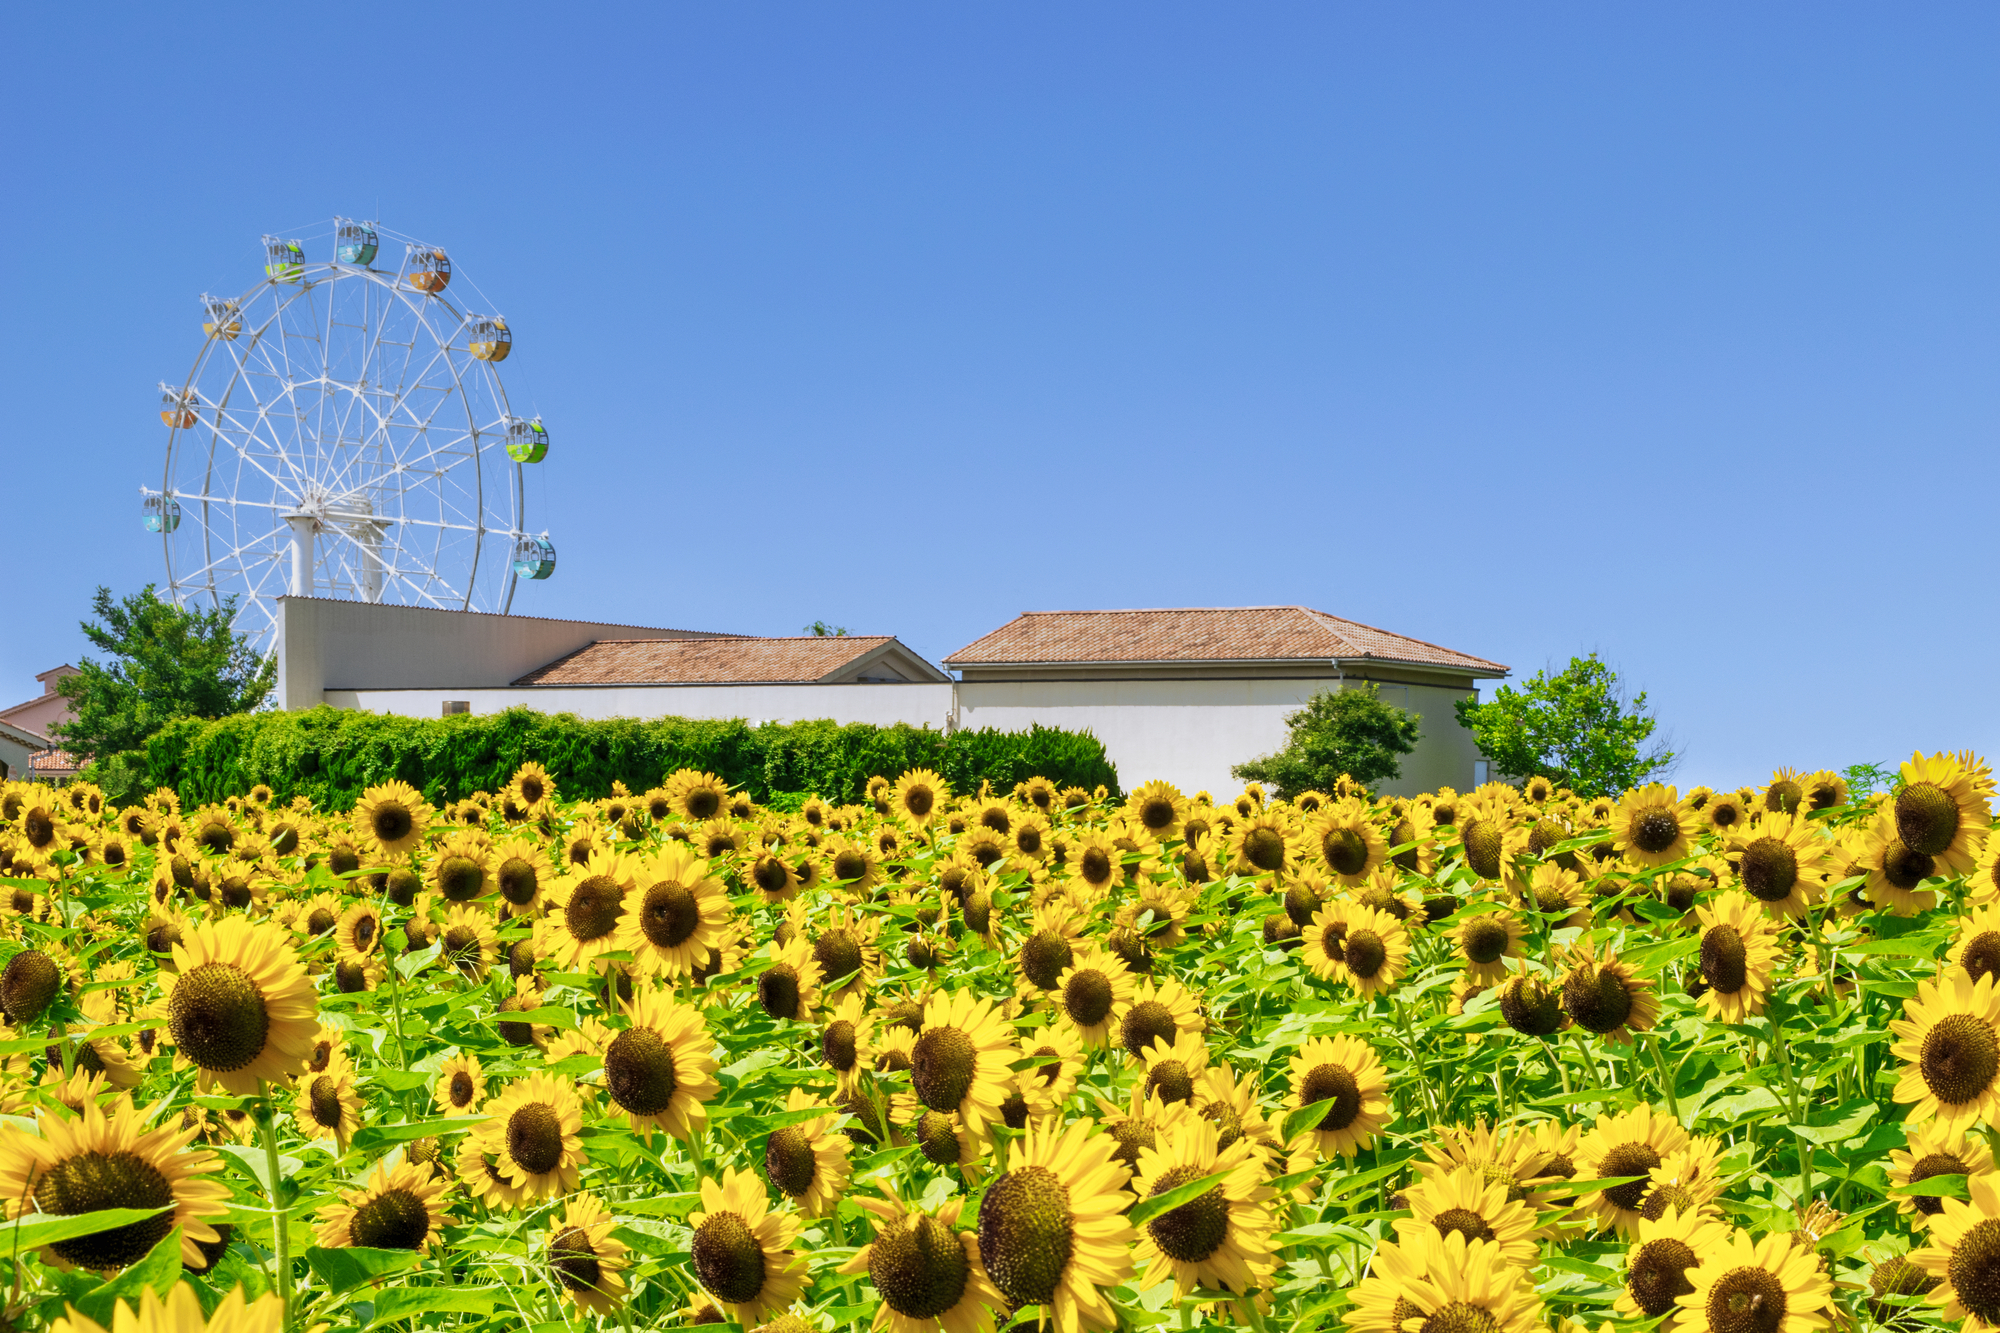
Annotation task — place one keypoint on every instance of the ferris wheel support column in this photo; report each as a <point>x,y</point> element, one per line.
<point>370,532</point>
<point>302,553</point>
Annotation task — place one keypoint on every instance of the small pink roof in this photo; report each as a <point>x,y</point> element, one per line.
<point>1203,634</point>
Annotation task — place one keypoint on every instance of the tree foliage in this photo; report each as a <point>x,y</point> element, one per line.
<point>1575,728</point>
<point>1338,731</point>
<point>166,662</point>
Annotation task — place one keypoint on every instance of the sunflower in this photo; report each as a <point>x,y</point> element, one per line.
<point>697,796</point>
<point>1485,942</point>
<point>397,1208</point>
<point>354,973</point>
<point>1657,1264</point>
<point>32,980</point>
<point>1895,873</point>
<point>470,942</point>
<point>1347,842</point>
<point>1975,943</point>
<point>1964,1256</point>
<point>959,1061</point>
<point>1443,1284</point>
<point>742,1250</point>
<point>1652,827</point>
<point>463,869</point>
<point>1489,840</point>
<point>359,930</point>
<point>675,913</point>
<point>775,879</point>
<point>789,987</point>
<point>1346,1071</point>
<point>92,1160</point>
<point>1984,883</point>
<point>1160,1011</point>
<point>719,838</point>
<point>584,1258</point>
<point>853,866</point>
<point>1049,949</point>
<point>180,1311</point>
<point>531,787</point>
<point>846,951</point>
<point>1374,948</point>
<point>585,907</point>
<point>1095,863</point>
<point>1632,1143</point>
<point>521,871</point>
<point>1941,810</point>
<point>1556,893</point>
<point>461,1085</point>
<point>943,1137</point>
<point>920,796</point>
<point>242,1010</point>
<point>1092,993</point>
<point>1220,1240</point>
<point>1934,1151</point>
<point>393,817</point>
<point>1777,860</point>
<point>1465,1202</point>
<point>844,1038</point>
<point>807,1160</point>
<point>1051,1230</point>
<point>1263,844</point>
<point>929,1277</point>
<point>1949,1041</point>
<point>1739,950</point>
<point>328,1106</point>
<point>1174,1069</point>
<point>1058,1051</point>
<point>1773,1285</point>
<point>1324,942</point>
<point>532,1131</point>
<point>1605,996</point>
<point>659,1070</point>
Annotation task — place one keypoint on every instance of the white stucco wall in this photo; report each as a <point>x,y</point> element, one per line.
<point>17,752</point>
<point>918,704</point>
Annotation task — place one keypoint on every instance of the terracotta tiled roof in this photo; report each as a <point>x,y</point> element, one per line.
<point>55,761</point>
<point>1203,634</point>
<point>706,661</point>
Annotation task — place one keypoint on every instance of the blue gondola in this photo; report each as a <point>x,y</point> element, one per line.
<point>527,441</point>
<point>355,242</point>
<point>162,513</point>
<point>534,557</point>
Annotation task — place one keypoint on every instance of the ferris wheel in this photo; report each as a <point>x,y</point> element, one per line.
<point>344,433</point>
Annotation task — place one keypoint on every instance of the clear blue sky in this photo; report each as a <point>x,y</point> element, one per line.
<point>1667,331</point>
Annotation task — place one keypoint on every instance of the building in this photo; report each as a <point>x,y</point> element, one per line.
<point>1181,694</point>
<point>18,748</point>
<point>25,752</point>
<point>46,709</point>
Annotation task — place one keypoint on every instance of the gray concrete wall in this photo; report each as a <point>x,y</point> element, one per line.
<point>326,644</point>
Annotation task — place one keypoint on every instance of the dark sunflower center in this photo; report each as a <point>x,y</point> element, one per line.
<point>728,1259</point>
<point>1458,1317</point>
<point>594,908</point>
<point>1484,939</point>
<point>1228,1123</point>
<point>1927,818</point>
<point>351,975</point>
<point>1669,1195</point>
<point>1596,998</point>
<point>1196,1229</point>
<point>937,1139</point>
<point>1045,956</point>
<point>1545,834</point>
<point>28,985</point>
<point>390,822</point>
<point>942,1065</point>
<point>1725,963</point>
<point>460,878</point>
<point>1087,998</point>
<point>534,1138</point>
<point>532,790</point>
<point>769,874</point>
<point>1935,1164</point>
<point>1904,868</point>
<point>1482,847</point>
<point>1659,1275</point>
<point>848,863</point>
<point>461,946</point>
<point>789,1160</point>
<point>160,939</point>
<point>1264,848</point>
<point>838,953</point>
<point>919,799</point>
<point>89,1181</point>
<point>575,1260</point>
<point>1156,813</point>
<point>393,1220</point>
<point>1653,831</point>
<point>518,882</point>
<point>217,1017</point>
<point>778,991</point>
<point>1145,1023</point>
<point>669,914</point>
<point>1365,953</point>
<point>920,1268</point>
<point>1339,1083</point>
<point>1770,868</point>
<point>1784,795</point>
<point>1170,1081</point>
<point>325,1100</point>
<point>1746,1300</point>
<point>639,1071</point>
<point>1529,1007</point>
<point>1026,1234</point>
<point>1465,1222</point>
<point>1960,1057</point>
<point>837,1046</point>
<point>461,1089</point>
<point>1981,955</point>
<point>1345,850</point>
<point>1095,866</point>
<point>1975,1270</point>
<point>1629,1159</point>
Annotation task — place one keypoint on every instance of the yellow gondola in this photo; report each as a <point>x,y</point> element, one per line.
<point>223,318</point>
<point>429,270</point>
<point>489,338</point>
<point>177,406</point>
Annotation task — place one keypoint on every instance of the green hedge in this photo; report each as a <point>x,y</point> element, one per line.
<point>331,755</point>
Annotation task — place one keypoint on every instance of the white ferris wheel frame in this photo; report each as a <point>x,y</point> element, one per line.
<point>294,478</point>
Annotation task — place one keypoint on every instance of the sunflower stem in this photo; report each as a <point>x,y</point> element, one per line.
<point>1666,1079</point>
<point>267,1128</point>
<point>1589,1065</point>
<point>396,1010</point>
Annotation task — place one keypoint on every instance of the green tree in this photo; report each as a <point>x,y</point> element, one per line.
<point>1338,731</point>
<point>166,661</point>
<point>824,630</point>
<point>1575,728</point>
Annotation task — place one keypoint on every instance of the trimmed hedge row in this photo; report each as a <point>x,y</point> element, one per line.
<point>332,755</point>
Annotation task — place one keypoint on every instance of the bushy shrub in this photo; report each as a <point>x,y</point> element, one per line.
<point>333,755</point>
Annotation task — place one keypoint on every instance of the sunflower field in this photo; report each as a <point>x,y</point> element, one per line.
<point>1486,1062</point>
